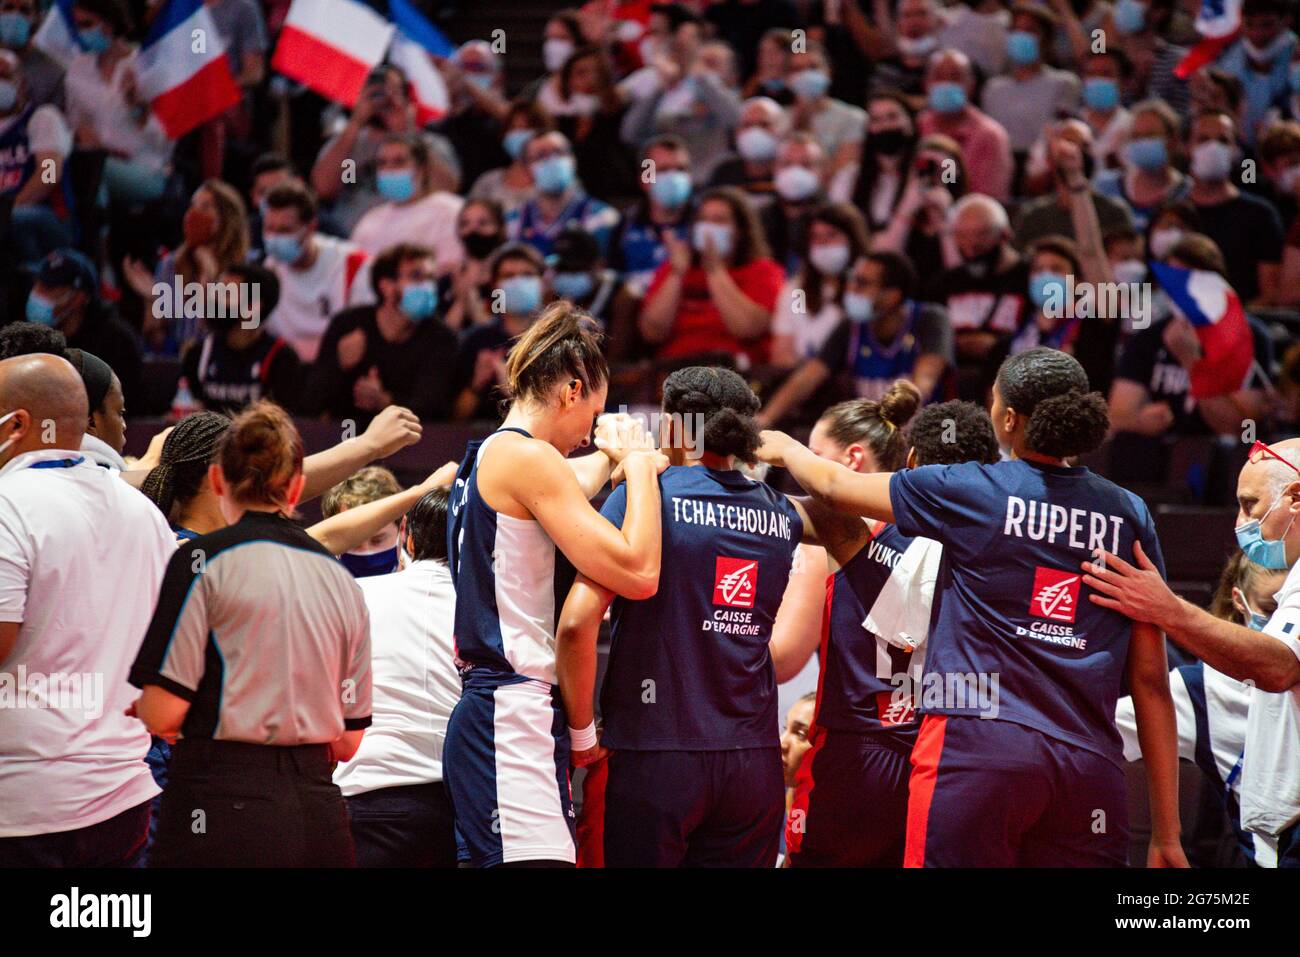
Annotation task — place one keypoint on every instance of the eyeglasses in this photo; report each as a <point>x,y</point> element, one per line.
<point>1259,447</point>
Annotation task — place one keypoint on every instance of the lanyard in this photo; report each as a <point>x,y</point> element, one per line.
<point>58,463</point>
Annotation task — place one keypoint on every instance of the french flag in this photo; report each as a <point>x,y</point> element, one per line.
<point>331,46</point>
<point>416,39</point>
<point>1218,23</point>
<point>57,36</point>
<point>183,70</point>
<point>1206,300</point>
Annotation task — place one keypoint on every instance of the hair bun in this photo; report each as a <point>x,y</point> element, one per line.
<point>899,404</point>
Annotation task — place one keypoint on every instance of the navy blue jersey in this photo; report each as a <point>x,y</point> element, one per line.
<point>510,580</point>
<point>1013,628</point>
<point>689,669</point>
<point>866,683</point>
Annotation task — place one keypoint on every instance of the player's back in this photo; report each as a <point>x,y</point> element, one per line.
<point>689,668</point>
<point>510,582</point>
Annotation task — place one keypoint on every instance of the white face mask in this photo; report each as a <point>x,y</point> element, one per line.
<point>554,52</point>
<point>829,259</point>
<point>1164,240</point>
<point>1289,178</point>
<point>1212,160</point>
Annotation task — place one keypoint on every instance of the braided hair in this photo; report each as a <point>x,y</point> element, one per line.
<point>726,403</point>
<point>186,454</point>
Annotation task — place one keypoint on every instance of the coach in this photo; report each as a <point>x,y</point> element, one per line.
<point>81,557</point>
<point>1268,497</point>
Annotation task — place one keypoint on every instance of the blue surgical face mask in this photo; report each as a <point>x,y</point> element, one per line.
<point>671,188</point>
<point>859,308</point>
<point>1264,552</point>
<point>420,300</point>
<point>376,563</point>
<point>516,140</point>
<point>1148,153</point>
<point>1254,620</point>
<point>523,294</point>
<point>94,40</point>
<point>756,144</point>
<point>8,95</point>
<point>286,247</point>
<point>717,234</point>
<point>1130,16</point>
<point>1022,47</point>
<point>15,29</point>
<point>554,174</point>
<point>396,185</point>
<point>947,97</point>
<point>40,309</point>
<point>1046,285</point>
<point>481,80</point>
<point>1101,93</point>
<point>810,84</point>
<point>573,285</point>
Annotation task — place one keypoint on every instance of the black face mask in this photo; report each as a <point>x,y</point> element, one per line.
<point>480,245</point>
<point>983,266</point>
<point>889,142</point>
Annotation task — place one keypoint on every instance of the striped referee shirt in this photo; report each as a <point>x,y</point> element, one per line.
<point>264,633</point>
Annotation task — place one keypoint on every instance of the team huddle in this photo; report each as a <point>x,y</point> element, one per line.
<point>940,561</point>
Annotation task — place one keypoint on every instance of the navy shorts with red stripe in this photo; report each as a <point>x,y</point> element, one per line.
<point>850,802</point>
<point>684,809</point>
<point>990,793</point>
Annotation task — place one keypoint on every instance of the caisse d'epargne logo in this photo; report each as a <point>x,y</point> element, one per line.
<point>1056,594</point>
<point>735,582</point>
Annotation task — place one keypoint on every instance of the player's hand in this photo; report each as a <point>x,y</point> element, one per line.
<point>392,429</point>
<point>443,477</point>
<point>1137,591</point>
<point>774,448</point>
<point>153,455</point>
<point>582,759</point>
<point>618,433</point>
<point>1166,854</point>
<point>635,459</point>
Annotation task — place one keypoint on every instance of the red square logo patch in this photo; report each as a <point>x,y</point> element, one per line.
<point>1056,594</point>
<point>735,581</point>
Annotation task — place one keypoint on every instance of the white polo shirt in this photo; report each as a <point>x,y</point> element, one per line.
<point>82,556</point>
<point>415,681</point>
<point>1270,774</point>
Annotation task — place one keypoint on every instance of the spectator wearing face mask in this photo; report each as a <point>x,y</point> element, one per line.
<point>979,29</point>
<point>763,124</point>
<point>319,275</point>
<point>267,172</point>
<point>604,165</point>
<point>1138,28</point>
<point>838,127</point>
<point>518,292</point>
<point>66,297</point>
<point>693,98</point>
<point>481,227</point>
<point>105,109</point>
<point>885,335</point>
<point>1103,110</point>
<point>919,29</point>
<point>1032,94</point>
<point>771,66</point>
<point>800,174</point>
<point>19,21</point>
<point>917,226</point>
<point>1279,160</point>
<point>1149,177</point>
<point>398,351</point>
<point>560,37</point>
<point>383,109</point>
<point>476,86</point>
<point>214,236</point>
<point>560,199</point>
<point>1245,227</point>
<point>1261,60</point>
<point>1211,707</point>
<point>808,307</point>
<point>984,143</point>
<point>414,210</point>
<point>378,554</point>
<point>716,294</point>
<point>886,168</point>
<point>34,144</point>
<point>512,185</point>
<point>575,272</point>
<point>238,361</point>
<point>638,247</point>
<point>1069,165</point>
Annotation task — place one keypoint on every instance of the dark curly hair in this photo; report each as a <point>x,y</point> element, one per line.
<point>953,432</point>
<point>878,425</point>
<point>727,404</point>
<point>186,454</point>
<point>1051,388</point>
<point>31,338</point>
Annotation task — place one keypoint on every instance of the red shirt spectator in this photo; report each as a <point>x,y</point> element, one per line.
<point>699,326</point>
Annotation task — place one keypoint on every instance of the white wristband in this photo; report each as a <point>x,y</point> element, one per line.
<point>584,739</point>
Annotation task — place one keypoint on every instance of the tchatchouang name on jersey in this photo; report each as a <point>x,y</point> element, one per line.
<point>1077,527</point>
<point>740,518</point>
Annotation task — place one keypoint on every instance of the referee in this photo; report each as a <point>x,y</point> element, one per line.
<point>258,659</point>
